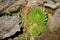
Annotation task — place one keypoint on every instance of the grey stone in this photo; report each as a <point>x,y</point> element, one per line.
<point>11,5</point>
<point>9,25</point>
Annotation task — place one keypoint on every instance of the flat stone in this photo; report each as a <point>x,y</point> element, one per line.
<point>9,25</point>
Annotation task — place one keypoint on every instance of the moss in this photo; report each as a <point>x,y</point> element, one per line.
<point>34,21</point>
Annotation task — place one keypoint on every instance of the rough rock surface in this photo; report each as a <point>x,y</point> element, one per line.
<point>54,23</point>
<point>57,0</point>
<point>11,5</point>
<point>9,25</point>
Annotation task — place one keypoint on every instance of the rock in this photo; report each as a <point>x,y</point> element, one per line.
<point>16,38</point>
<point>23,2</point>
<point>32,3</point>
<point>11,5</point>
<point>49,3</point>
<point>9,25</point>
<point>15,7</point>
<point>57,0</point>
<point>4,4</point>
<point>54,23</point>
<point>43,1</point>
<point>12,8</point>
<point>39,1</point>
